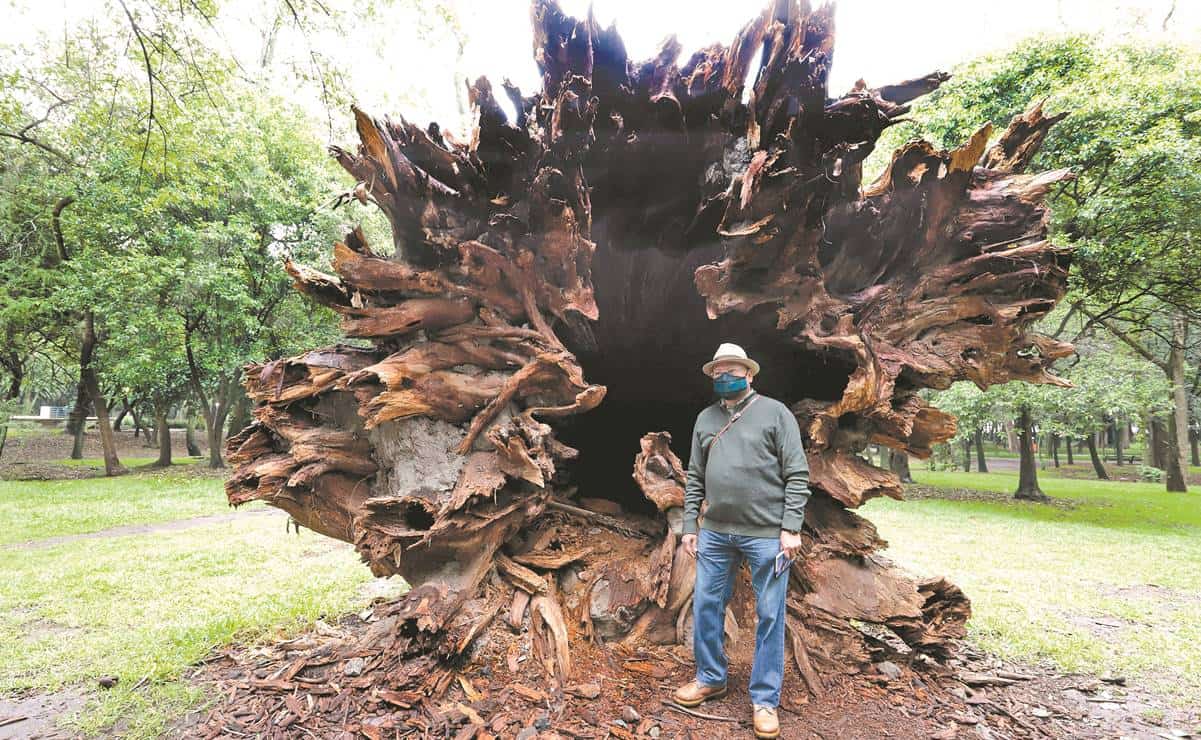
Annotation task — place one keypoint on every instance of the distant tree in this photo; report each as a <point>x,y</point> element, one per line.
<point>1107,384</point>
<point>973,409</point>
<point>1132,135</point>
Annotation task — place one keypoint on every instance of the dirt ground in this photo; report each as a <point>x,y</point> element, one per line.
<point>1081,469</point>
<point>36,715</point>
<point>39,455</point>
<point>308,687</point>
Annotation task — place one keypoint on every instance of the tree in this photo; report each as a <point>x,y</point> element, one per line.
<point>1165,348</point>
<point>1134,141</point>
<point>972,408</point>
<point>1030,408</point>
<point>1106,385</point>
<point>1026,404</point>
<point>97,129</point>
<point>492,388</point>
<point>186,228</point>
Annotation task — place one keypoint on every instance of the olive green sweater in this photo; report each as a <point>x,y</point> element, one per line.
<point>757,478</point>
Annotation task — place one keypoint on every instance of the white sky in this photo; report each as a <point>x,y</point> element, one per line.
<point>398,67</point>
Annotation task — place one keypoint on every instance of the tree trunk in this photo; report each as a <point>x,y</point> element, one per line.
<point>87,376</point>
<point>212,437</point>
<point>1149,440</point>
<point>1118,446</point>
<point>1122,443</point>
<point>189,416</point>
<point>898,463</point>
<point>163,432</point>
<point>240,415</point>
<point>1177,463</point>
<point>967,455</point>
<point>1011,438</point>
<point>1068,447</point>
<point>1158,442</point>
<point>121,415</point>
<point>1194,447</point>
<point>1055,449</point>
<point>981,464</point>
<point>1027,466</point>
<point>1098,466</point>
<point>77,421</point>
<point>454,450</point>
<point>214,410</point>
<point>139,426</point>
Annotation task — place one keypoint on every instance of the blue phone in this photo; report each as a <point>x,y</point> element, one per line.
<point>782,562</point>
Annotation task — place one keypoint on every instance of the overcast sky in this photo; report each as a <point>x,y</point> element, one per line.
<point>405,63</point>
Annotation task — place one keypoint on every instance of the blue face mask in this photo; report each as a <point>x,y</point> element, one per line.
<point>727,385</point>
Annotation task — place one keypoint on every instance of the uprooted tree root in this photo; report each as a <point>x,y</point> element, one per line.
<point>346,681</point>
<point>630,218</point>
<point>362,679</point>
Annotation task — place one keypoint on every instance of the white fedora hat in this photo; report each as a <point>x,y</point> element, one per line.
<point>730,351</point>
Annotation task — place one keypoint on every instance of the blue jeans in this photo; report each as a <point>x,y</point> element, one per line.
<point>717,558</point>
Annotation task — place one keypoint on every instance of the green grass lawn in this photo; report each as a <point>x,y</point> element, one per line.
<point>128,462</point>
<point>147,606</point>
<point>1040,576</point>
<point>32,510</point>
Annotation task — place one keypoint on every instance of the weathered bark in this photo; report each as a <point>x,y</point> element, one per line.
<point>1027,466</point>
<point>1098,466</point>
<point>558,281</point>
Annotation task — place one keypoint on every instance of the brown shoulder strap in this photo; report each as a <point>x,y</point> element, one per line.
<point>733,419</point>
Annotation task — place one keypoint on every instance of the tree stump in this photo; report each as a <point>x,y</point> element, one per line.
<point>554,284</point>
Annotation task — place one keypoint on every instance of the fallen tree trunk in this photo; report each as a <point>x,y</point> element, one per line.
<point>554,285</point>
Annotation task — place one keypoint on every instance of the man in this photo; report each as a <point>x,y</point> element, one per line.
<point>748,465</point>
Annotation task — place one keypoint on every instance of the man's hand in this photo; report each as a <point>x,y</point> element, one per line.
<point>689,541</point>
<point>790,543</point>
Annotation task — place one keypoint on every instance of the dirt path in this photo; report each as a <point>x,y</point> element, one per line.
<point>152,528</point>
<point>37,715</point>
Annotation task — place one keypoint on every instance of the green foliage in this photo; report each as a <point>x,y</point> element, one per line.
<point>172,227</point>
<point>972,407</point>
<point>1150,474</point>
<point>1106,384</point>
<point>1132,137</point>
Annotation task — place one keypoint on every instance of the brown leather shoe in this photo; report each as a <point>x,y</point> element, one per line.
<point>767,722</point>
<point>693,694</point>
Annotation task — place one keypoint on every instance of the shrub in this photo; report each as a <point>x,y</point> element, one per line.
<point>1149,473</point>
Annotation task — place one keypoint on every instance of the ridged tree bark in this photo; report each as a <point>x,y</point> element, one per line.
<point>533,336</point>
